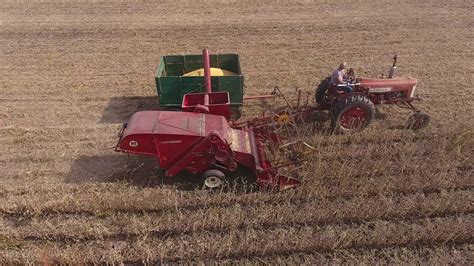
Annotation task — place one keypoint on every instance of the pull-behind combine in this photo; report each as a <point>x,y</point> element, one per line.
<point>201,140</point>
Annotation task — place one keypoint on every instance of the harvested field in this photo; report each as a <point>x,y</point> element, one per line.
<point>72,71</point>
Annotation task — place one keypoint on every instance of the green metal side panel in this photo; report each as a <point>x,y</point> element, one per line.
<point>171,86</point>
<point>168,92</point>
<point>234,85</point>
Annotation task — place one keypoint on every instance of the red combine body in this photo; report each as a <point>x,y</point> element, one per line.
<point>200,144</point>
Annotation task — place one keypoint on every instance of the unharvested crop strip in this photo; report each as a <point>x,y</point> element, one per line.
<point>275,242</point>
<point>167,233</point>
<point>26,213</point>
<point>310,250</point>
<point>457,254</point>
<point>316,246</point>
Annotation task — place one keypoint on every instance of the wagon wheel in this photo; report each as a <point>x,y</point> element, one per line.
<point>235,113</point>
<point>213,179</point>
<point>352,114</point>
<point>172,109</point>
<point>418,120</point>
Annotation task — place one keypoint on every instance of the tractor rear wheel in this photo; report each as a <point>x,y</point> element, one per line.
<point>321,92</point>
<point>352,114</point>
<point>213,179</point>
<point>418,120</point>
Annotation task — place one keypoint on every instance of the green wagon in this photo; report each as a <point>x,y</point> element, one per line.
<point>171,85</point>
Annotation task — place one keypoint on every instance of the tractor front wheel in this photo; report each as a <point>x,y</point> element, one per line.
<point>418,120</point>
<point>352,114</point>
<point>213,179</point>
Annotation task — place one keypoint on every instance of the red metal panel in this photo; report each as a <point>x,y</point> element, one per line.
<point>395,84</point>
<point>194,142</point>
<point>174,123</point>
<point>217,103</point>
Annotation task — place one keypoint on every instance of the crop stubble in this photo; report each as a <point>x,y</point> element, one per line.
<point>72,72</point>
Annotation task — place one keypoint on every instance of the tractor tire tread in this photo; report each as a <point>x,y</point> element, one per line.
<point>320,93</point>
<point>352,101</point>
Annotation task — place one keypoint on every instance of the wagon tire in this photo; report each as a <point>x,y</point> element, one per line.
<point>418,121</point>
<point>321,96</point>
<point>235,113</point>
<point>213,179</point>
<point>172,109</point>
<point>352,114</point>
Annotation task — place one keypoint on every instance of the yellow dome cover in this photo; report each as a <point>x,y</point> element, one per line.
<point>214,72</point>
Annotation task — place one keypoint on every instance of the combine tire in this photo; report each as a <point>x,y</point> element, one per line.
<point>352,114</point>
<point>321,97</point>
<point>418,120</point>
<point>213,179</point>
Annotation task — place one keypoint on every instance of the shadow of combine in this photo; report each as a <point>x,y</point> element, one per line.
<point>134,170</point>
<point>142,171</point>
<point>120,109</point>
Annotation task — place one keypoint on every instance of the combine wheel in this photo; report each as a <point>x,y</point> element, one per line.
<point>321,92</point>
<point>235,113</point>
<point>418,120</point>
<point>352,114</point>
<point>213,179</point>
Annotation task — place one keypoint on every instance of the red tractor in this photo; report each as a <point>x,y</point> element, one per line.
<point>355,110</point>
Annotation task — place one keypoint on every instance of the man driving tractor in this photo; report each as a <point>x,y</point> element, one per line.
<point>339,77</point>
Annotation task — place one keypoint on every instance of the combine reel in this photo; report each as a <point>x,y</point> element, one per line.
<point>293,120</point>
<point>293,126</point>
